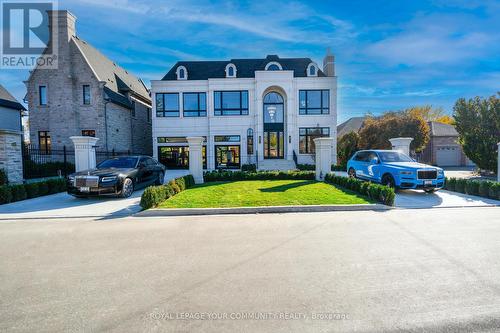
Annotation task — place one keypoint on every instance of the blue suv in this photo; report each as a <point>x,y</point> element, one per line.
<point>395,169</point>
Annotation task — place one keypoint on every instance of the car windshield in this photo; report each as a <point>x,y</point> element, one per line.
<point>394,156</point>
<point>119,162</point>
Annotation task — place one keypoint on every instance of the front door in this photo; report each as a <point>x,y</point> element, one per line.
<point>273,144</point>
<point>274,134</point>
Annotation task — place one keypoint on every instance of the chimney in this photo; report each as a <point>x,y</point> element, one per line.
<point>64,21</point>
<point>329,63</point>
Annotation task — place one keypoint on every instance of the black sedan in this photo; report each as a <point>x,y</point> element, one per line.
<point>117,176</point>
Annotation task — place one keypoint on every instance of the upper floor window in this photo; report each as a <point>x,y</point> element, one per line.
<point>195,104</point>
<point>86,94</point>
<point>314,102</point>
<point>312,69</point>
<point>227,138</point>
<point>88,133</point>
<point>230,70</point>
<point>273,66</point>
<point>181,73</point>
<point>42,95</point>
<point>167,105</point>
<point>231,103</point>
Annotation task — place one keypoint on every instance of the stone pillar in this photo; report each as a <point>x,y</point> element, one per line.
<point>324,148</point>
<point>498,164</point>
<point>196,158</point>
<point>401,144</point>
<point>84,152</point>
<point>11,157</point>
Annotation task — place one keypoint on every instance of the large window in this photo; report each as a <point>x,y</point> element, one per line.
<point>231,103</point>
<point>42,95</point>
<point>306,137</point>
<point>86,94</point>
<point>177,157</point>
<point>227,138</point>
<point>44,142</point>
<point>314,102</point>
<point>167,105</point>
<point>250,141</point>
<point>88,133</point>
<point>227,157</point>
<point>195,104</point>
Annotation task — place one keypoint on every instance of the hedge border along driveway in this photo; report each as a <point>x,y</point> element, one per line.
<point>482,188</point>
<point>17,192</point>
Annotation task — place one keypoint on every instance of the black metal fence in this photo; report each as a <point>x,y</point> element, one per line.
<point>39,163</point>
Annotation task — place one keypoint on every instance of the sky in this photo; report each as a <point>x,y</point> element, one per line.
<point>389,55</point>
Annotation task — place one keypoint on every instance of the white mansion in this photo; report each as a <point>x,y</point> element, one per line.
<point>250,111</point>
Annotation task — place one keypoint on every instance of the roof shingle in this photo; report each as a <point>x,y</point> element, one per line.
<point>9,101</point>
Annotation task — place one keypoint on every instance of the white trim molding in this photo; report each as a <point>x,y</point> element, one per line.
<point>308,70</point>
<point>231,65</point>
<point>178,71</point>
<point>273,63</point>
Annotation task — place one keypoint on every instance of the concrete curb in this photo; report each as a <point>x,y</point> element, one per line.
<point>259,210</point>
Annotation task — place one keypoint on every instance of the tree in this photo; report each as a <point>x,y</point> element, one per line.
<point>428,113</point>
<point>347,145</point>
<point>478,125</point>
<point>376,132</point>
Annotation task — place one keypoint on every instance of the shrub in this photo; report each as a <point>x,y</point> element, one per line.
<point>494,191</point>
<point>249,167</point>
<point>379,193</point>
<point>472,187</point>
<point>18,192</point>
<point>154,195</point>
<point>306,167</point>
<point>56,185</point>
<point>460,185</point>
<point>48,169</point>
<point>3,178</point>
<point>213,176</point>
<point>450,184</point>
<point>5,194</point>
<point>484,188</point>
<point>43,188</point>
<point>32,190</point>
<point>339,167</point>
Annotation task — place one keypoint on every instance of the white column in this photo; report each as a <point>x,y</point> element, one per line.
<point>498,164</point>
<point>196,158</point>
<point>84,152</point>
<point>324,148</point>
<point>401,144</point>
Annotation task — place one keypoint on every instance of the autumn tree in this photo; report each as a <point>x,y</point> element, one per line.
<point>478,125</point>
<point>347,145</point>
<point>429,113</point>
<point>377,131</point>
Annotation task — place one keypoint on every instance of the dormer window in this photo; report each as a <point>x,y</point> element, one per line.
<point>181,73</point>
<point>230,70</point>
<point>312,69</point>
<point>274,66</point>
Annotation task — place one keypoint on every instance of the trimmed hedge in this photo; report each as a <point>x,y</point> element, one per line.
<point>154,195</point>
<point>249,167</point>
<point>213,176</point>
<point>486,188</point>
<point>18,192</point>
<point>304,167</point>
<point>380,193</point>
<point>3,177</point>
<point>48,169</point>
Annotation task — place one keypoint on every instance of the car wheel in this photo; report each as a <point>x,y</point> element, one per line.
<point>127,188</point>
<point>160,178</point>
<point>388,180</point>
<point>429,190</point>
<point>351,173</point>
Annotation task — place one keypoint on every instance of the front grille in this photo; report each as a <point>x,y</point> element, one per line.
<point>427,174</point>
<point>87,181</point>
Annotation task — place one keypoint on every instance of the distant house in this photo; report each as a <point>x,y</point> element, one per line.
<point>443,148</point>
<point>353,124</point>
<point>87,95</point>
<point>10,136</point>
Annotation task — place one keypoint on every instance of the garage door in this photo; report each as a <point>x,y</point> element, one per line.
<point>448,156</point>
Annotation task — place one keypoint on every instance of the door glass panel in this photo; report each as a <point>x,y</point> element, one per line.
<point>281,144</point>
<point>273,144</point>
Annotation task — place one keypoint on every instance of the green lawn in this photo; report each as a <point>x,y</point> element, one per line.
<point>262,193</point>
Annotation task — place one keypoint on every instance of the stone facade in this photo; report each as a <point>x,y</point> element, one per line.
<point>119,126</point>
<point>11,156</point>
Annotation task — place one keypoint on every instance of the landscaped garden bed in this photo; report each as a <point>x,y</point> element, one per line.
<point>482,188</point>
<point>255,193</point>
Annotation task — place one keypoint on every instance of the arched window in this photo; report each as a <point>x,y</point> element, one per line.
<point>181,73</point>
<point>312,69</point>
<point>230,70</point>
<point>250,141</point>
<point>273,66</point>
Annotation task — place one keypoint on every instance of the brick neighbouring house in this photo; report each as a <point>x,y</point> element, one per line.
<point>89,95</point>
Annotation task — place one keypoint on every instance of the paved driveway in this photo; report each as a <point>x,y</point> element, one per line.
<point>431,270</point>
<point>64,205</point>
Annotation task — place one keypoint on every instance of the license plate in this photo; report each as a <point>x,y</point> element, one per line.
<point>427,182</point>
<point>84,189</point>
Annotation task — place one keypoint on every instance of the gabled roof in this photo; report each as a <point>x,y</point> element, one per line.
<point>440,129</point>
<point>9,101</point>
<point>245,68</point>
<point>353,124</point>
<point>118,79</point>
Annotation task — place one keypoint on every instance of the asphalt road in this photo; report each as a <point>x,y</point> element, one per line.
<point>420,270</point>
